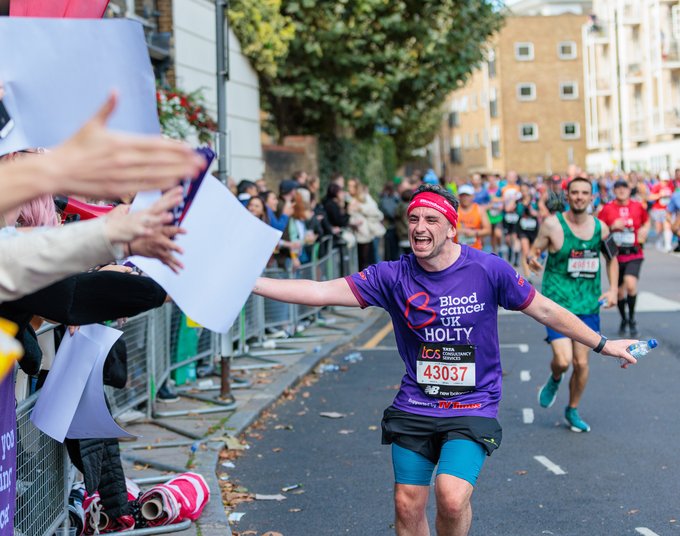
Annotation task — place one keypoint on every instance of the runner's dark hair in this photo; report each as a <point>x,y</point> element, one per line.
<point>580,179</point>
<point>436,189</point>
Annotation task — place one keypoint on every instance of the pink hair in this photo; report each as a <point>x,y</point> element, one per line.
<point>38,212</point>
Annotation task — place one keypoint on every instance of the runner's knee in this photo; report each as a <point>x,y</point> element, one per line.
<point>410,502</point>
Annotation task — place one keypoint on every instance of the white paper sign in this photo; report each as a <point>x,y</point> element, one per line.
<point>58,72</point>
<point>71,402</point>
<point>226,249</point>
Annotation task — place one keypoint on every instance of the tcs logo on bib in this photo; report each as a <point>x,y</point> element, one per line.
<point>430,353</point>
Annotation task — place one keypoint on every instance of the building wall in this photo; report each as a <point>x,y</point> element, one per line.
<point>195,67</point>
<point>642,133</point>
<point>500,77</point>
<point>550,153</point>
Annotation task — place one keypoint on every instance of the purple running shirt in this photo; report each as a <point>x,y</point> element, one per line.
<point>446,326</point>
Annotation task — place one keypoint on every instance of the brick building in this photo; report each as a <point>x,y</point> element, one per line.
<point>523,108</point>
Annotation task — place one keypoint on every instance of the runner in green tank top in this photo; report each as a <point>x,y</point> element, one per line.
<point>572,279</point>
<point>572,274</point>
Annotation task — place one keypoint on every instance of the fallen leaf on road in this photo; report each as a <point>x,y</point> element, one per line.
<point>345,432</point>
<point>332,414</point>
<point>277,497</point>
<point>305,394</point>
<point>233,443</point>
<point>295,509</point>
<point>271,533</point>
<point>283,427</point>
<point>373,428</point>
<point>633,511</point>
<point>277,449</point>
<point>236,516</point>
<point>521,472</point>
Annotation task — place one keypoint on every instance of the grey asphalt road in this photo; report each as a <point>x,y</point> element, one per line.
<point>622,478</point>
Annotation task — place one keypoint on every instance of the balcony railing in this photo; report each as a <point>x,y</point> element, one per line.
<point>632,14</point>
<point>604,82</point>
<point>637,128</point>
<point>604,136</point>
<point>671,53</point>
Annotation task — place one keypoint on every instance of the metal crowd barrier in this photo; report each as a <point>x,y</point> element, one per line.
<point>43,468</point>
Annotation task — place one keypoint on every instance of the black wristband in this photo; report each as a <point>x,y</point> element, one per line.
<point>600,345</point>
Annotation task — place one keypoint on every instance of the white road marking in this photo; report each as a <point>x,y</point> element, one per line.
<point>525,376</point>
<point>550,466</point>
<point>650,302</point>
<point>528,415</point>
<point>524,348</point>
<point>645,531</point>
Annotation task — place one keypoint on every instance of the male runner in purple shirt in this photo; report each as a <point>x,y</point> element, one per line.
<point>443,299</point>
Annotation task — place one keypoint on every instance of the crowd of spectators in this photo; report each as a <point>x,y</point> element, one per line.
<point>499,213</point>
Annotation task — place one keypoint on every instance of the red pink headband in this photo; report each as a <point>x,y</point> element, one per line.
<point>437,202</point>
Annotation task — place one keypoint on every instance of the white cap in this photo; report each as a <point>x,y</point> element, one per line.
<point>664,175</point>
<point>466,189</point>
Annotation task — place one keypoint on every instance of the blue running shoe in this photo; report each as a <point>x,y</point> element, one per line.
<point>574,420</point>
<point>548,393</point>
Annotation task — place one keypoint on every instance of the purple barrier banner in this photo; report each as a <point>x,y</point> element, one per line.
<point>8,456</point>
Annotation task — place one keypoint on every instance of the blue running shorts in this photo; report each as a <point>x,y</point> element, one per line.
<point>592,321</point>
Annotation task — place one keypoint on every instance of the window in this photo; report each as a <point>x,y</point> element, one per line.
<point>454,119</point>
<point>473,103</point>
<point>475,143</point>
<point>463,104</point>
<point>528,132</point>
<point>466,140</point>
<point>566,50</point>
<point>492,63</point>
<point>456,155</point>
<point>526,91</point>
<point>568,90</point>
<point>495,142</point>
<point>570,130</point>
<point>524,51</point>
<point>493,102</point>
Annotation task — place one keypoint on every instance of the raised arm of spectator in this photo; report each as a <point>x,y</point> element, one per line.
<point>97,162</point>
<point>33,260</point>
<point>307,292</point>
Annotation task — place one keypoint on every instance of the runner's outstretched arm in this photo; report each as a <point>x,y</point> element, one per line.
<point>306,291</point>
<point>548,313</point>
<point>540,245</point>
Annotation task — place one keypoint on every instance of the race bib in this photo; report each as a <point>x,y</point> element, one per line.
<point>583,263</point>
<point>446,370</point>
<point>528,224</point>
<point>511,217</point>
<point>625,238</point>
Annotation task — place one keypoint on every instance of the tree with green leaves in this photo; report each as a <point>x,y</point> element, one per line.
<point>353,66</point>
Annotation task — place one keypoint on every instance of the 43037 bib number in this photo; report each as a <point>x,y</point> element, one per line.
<point>446,370</point>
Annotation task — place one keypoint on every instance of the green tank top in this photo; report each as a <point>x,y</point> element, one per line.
<point>572,274</point>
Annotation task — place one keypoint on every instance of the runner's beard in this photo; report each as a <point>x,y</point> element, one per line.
<point>578,210</point>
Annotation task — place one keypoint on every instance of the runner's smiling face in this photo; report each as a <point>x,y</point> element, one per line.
<point>430,232</point>
<point>579,196</point>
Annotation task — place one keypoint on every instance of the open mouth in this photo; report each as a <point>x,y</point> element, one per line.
<point>421,242</point>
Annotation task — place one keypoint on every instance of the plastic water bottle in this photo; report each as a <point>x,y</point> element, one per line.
<point>602,302</point>
<point>642,348</point>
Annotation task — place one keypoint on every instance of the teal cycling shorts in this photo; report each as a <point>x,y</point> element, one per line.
<point>461,458</point>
